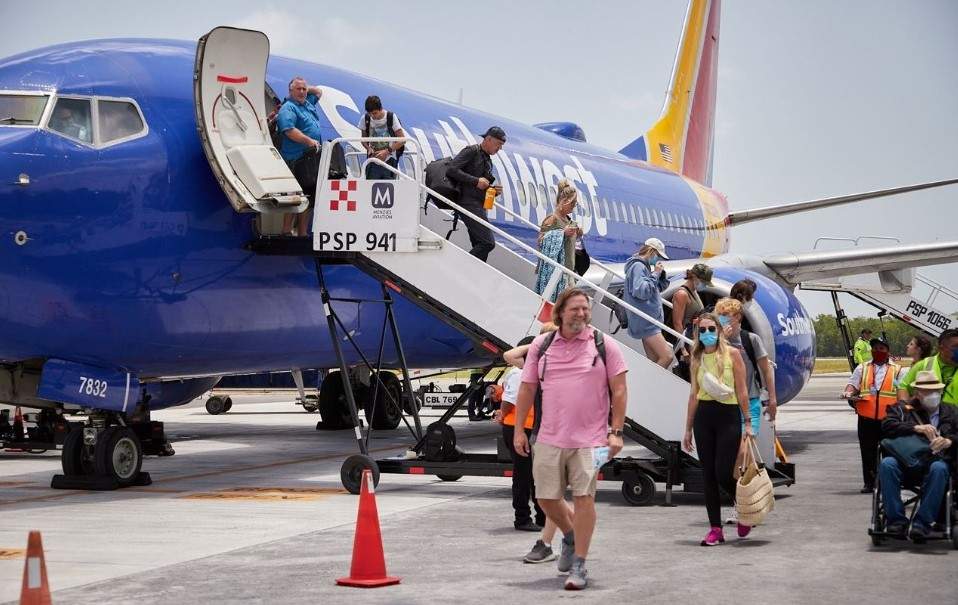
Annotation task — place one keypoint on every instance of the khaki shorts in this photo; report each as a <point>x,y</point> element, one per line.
<point>555,468</point>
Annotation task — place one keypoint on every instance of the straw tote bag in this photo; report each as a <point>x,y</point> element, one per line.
<point>754,496</point>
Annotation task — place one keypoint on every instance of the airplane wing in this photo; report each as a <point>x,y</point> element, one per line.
<point>807,266</point>
<point>758,214</point>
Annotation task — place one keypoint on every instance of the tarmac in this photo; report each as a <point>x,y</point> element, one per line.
<point>251,510</point>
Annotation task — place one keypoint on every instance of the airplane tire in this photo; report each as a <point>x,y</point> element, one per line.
<point>449,477</point>
<point>311,404</point>
<point>332,403</point>
<point>351,472</point>
<point>73,456</point>
<point>229,404</point>
<point>118,454</point>
<point>385,414</point>
<point>638,490</point>
<point>216,405</point>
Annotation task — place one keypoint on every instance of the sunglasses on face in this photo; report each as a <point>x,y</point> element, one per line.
<point>703,330</point>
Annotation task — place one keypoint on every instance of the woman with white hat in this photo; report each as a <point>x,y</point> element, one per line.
<point>644,281</point>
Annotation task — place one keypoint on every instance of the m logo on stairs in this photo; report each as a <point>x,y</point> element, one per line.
<point>382,195</point>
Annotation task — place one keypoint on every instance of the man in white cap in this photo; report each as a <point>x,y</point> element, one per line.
<point>938,424</point>
<point>644,281</point>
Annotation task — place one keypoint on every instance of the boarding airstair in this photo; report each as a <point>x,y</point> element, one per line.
<point>904,294</point>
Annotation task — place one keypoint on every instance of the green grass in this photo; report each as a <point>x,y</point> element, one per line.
<point>827,365</point>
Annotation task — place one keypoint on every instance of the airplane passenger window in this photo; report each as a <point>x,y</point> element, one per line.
<point>21,110</point>
<point>608,212</point>
<point>118,120</point>
<point>522,193</point>
<point>71,118</point>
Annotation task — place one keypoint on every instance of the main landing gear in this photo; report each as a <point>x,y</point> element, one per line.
<point>218,404</point>
<point>107,453</point>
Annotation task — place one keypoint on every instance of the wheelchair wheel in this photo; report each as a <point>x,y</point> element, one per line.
<point>878,519</point>
<point>954,535</point>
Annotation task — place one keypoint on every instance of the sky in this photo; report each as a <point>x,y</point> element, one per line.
<point>815,98</point>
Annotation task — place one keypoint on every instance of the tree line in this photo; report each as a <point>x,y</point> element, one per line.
<point>830,344</point>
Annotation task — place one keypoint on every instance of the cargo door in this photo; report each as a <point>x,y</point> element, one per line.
<point>229,78</point>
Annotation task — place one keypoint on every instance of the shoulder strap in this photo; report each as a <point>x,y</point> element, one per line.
<point>546,343</point>
<point>389,123</point>
<point>599,343</point>
<point>750,351</point>
<point>366,129</point>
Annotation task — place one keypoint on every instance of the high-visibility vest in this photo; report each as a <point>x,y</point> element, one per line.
<point>950,394</point>
<point>876,406</point>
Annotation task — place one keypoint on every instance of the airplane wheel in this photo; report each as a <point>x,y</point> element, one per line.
<point>638,490</point>
<point>351,472</point>
<point>74,458</point>
<point>332,403</point>
<point>229,404</point>
<point>118,454</point>
<point>311,403</point>
<point>450,477</point>
<point>216,405</point>
<point>385,414</point>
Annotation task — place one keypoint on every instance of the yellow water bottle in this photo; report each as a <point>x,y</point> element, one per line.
<point>490,198</point>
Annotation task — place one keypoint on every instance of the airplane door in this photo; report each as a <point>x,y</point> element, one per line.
<point>229,77</point>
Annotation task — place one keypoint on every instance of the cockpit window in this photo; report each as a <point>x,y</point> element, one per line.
<point>71,117</point>
<point>117,120</point>
<point>21,110</point>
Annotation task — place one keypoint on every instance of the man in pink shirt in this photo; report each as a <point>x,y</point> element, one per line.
<point>574,438</point>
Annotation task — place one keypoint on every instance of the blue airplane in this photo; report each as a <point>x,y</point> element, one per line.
<point>127,282</point>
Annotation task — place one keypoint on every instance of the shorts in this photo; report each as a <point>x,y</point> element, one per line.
<point>555,468</point>
<point>755,411</point>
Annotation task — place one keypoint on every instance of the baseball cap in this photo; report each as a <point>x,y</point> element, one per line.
<point>657,245</point>
<point>878,341</point>
<point>496,133</point>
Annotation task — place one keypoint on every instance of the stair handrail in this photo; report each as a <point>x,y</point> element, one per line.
<point>324,172</point>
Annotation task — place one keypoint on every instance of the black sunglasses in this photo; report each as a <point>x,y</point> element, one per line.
<point>708,329</point>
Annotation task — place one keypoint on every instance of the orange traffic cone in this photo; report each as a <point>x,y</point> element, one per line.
<point>36,589</point>
<point>368,569</point>
<point>18,424</point>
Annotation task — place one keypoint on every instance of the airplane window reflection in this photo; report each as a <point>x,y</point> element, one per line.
<point>118,120</point>
<point>21,110</point>
<point>71,117</point>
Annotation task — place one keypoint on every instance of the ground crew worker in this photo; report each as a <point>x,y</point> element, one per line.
<point>523,486</point>
<point>943,364</point>
<point>874,384</point>
<point>862,351</point>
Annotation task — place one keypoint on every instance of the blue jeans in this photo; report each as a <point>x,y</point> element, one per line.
<point>932,490</point>
<point>375,172</point>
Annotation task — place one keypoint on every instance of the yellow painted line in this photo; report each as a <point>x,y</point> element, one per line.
<point>12,553</point>
<point>14,483</point>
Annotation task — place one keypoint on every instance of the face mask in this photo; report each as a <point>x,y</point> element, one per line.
<point>700,287</point>
<point>954,355</point>
<point>880,357</point>
<point>930,401</point>
<point>709,339</point>
<point>653,259</point>
<point>725,321</point>
<point>749,306</point>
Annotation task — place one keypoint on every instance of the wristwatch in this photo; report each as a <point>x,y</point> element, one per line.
<point>615,432</point>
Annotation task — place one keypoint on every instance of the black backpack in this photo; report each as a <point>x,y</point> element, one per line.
<point>389,129</point>
<point>750,351</point>
<point>437,180</point>
<point>546,343</point>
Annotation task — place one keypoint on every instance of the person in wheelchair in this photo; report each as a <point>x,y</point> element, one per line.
<point>937,423</point>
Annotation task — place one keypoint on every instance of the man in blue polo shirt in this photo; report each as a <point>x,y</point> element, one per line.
<point>298,121</point>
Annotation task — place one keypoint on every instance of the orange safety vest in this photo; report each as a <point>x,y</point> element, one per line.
<point>876,406</point>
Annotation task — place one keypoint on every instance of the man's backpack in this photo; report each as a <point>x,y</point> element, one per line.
<point>389,129</point>
<point>750,352</point>
<point>437,180</point>
<point>618,311</point>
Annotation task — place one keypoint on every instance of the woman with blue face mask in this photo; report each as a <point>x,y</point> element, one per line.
<point>718,401</point>
<point>645,279</point>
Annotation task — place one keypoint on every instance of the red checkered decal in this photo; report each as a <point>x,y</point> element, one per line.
<point>344,194</point>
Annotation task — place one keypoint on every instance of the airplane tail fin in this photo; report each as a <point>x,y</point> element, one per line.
<point>682,138</point>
